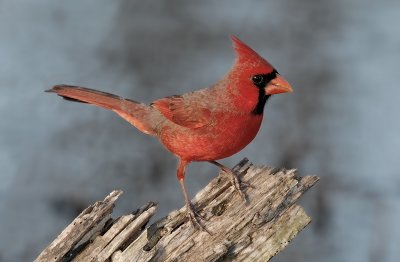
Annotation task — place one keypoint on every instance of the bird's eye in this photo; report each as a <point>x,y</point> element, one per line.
<point>258,80</point>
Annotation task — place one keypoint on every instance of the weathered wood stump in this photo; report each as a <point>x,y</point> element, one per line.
<point>255,231</point>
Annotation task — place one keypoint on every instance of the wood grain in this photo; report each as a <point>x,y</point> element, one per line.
<point>240,231</point>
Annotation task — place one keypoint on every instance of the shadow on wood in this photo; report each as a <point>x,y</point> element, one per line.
<point>243,232</point>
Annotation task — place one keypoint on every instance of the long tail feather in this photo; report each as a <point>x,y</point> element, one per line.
<point>138,114</point>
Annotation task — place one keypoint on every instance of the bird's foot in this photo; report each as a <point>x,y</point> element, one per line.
<point>237,183</point>
<point>193,217</point>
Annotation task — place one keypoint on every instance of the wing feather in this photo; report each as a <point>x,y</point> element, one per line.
<point>184,111</point>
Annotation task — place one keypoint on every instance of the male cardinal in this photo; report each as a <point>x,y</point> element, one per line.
<point>204,125</point>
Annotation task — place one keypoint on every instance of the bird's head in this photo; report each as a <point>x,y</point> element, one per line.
<point>253,79</point>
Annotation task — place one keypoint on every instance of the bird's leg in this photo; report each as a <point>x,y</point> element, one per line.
<point>237,183</point>
<point>192,215</point>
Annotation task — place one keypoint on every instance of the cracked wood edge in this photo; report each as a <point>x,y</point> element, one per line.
<point>92,216</point>
<point>241,232</point>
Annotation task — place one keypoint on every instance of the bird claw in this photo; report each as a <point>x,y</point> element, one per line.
<point>238,184</point>
<point>193,217</point>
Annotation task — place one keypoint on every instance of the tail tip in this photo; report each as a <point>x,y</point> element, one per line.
<point>55,88</point>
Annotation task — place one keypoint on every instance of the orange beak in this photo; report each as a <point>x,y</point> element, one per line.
<point>278,85</point>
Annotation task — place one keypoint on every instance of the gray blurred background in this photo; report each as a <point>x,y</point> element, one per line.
<point>341,123</point>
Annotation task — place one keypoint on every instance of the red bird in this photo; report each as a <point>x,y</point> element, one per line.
<point>204,125</point>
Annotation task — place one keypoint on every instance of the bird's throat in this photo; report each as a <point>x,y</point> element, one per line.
<point>262,99</point>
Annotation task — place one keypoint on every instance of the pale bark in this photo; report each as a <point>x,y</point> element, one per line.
<point>255,231</point>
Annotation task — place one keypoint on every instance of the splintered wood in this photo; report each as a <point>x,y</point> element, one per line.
<point>253,231</point>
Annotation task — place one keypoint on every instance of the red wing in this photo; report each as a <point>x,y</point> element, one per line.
<point>183,112</point>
